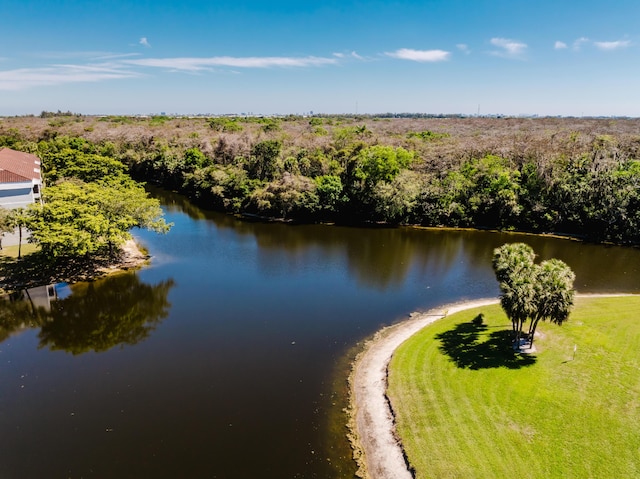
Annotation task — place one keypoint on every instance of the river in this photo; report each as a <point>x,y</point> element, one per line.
<point>227,356</point>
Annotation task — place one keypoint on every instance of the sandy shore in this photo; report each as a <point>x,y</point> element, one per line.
<point>377,449</point>
<point>130,257</point>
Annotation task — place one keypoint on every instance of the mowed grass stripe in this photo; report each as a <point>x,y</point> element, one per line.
<point>460,416</point>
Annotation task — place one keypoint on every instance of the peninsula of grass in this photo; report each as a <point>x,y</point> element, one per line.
<point>467,406</point>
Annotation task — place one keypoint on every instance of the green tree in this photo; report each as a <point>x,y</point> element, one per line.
<point>513,265</point>
<point>396,201</point>
<point>287,197</point>
<point>194,159</point>
<point>264,157</point>
<point>510,258</point>
<point>226,125</point>
<point>87,218</point>
<point>72,163</point>
<point>532,292</point>
<point>381,163</point>
<point>493,196</point>
<point>554,294</point>
<point>330,193</point>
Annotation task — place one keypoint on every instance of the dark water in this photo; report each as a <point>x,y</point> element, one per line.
<point>227,357</point>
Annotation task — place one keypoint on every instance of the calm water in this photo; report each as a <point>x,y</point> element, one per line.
<point>227,357</point>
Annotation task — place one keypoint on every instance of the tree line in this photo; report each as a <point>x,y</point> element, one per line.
<point>504,174</point>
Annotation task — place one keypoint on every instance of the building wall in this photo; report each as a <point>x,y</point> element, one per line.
<point>18,195</point>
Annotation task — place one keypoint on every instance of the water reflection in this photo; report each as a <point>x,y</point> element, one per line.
<point>19,311</point>
<point>114,311</point>
<point>383,258</point>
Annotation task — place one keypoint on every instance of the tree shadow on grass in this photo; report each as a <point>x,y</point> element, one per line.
<point>468,345</point>
<point>36,269</point>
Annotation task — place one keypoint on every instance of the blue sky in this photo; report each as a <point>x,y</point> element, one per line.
<point>546,57</point>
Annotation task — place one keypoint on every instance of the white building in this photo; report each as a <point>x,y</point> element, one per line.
<point>20,179</point>
<point>20,185</point>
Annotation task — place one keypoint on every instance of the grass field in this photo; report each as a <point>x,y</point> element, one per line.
<point>468,407</point>
<point>12,251</point>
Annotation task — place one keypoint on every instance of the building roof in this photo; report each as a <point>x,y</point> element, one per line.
<point>21,164</point>
<point>10,177</point>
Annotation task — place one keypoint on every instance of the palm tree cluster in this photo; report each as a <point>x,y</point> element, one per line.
<point>532,292</point>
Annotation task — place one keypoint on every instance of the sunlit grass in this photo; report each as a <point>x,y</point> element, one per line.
<point>472,410</point>
<point>12,251</point>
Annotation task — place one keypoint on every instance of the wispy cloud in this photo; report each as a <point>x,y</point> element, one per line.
<point>198,64</point>
<point>560,45</point>
<point>116,56</point>
<point>84,55</point>
<point>23,78</point>
<point>464,48</point>
<point>102,66</point>
<point>577,45</point>
<point>420,55</point>
<point>608,46</point>
<point>144,42</point>
<point>348,55</point>
<point>508,48</point>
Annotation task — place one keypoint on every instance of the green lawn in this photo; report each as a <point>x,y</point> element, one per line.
<point>12,251</point>
<point>468,407</point>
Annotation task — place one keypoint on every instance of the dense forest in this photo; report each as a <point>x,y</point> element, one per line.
<point>563,175</point>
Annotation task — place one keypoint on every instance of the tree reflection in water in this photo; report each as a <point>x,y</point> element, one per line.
<point>18,312</point>
<point>117,310</point>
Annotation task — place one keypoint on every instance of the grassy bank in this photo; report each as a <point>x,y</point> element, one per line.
<point>466,406</point>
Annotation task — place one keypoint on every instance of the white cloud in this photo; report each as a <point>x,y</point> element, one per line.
<point>560,45</point>
<point>115,56</point>
<point>608,46</point>
<point>579,42</point>
<point>464,48</point>
<point>198,64</point>
<point>22,78</point>
<point>144,42</point>
<point>420,55</point>
<point>118,66</point>
<point>508,48</point>
<point>84,55</point>
<point>353,54</point>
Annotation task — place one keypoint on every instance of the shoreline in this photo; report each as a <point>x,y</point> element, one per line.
<point>376,447</point>
<point>33,274</point>
<point>131,257</point>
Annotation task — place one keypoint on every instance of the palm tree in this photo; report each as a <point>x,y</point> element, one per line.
<point>510,258</point>
<point>554,294</point>
<point>514,268</point>
<point>530,291</point>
